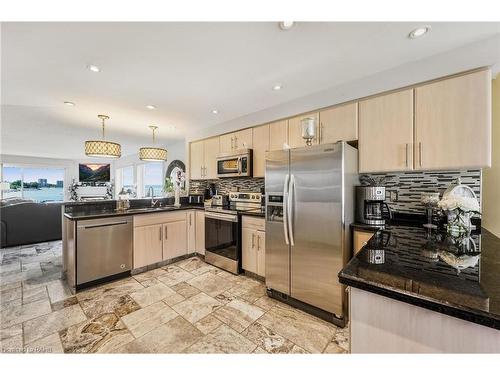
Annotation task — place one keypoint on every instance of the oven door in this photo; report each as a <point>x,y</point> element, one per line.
<point>221,241</point>
<point>229,166</point>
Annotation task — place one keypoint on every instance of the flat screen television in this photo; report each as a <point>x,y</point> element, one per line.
<point>93,172</point>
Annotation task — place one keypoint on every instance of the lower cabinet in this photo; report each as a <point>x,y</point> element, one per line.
<point>200,232</point>
<point>174,239</point>
<point>148,245</point>
<point>253,245</point>
<point>191,231</point>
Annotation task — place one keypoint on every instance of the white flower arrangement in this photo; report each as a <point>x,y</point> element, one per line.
<point>464,204</point>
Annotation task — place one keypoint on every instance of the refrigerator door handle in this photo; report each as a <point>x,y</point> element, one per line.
<point>285,215</point>
<point>291,191</point>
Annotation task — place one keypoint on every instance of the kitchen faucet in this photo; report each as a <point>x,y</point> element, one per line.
<point>153,201</point>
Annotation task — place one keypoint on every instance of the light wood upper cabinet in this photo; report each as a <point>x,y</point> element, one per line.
<point>278,135</point>
<point>200,232</point>
<point>175,239</point>
<point>226,143</point>
<point>202,159</point>
<point>147,245</point>
<point>295,130</point>
<point>339,123</point>
<point>236,141</point>
<point>211,149</point>
<point>386,132</point>
<point>196,160</point>
<point>260,146</point>
<point>453,122</point>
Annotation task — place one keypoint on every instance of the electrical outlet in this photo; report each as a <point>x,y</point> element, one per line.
<point>393,196</point>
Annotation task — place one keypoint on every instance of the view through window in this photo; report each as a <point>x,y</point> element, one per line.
<point>153,178</point>
<point>37,184</point>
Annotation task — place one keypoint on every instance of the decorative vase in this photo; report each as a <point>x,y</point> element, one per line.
<point>459,221</point>
<point>177,202</point>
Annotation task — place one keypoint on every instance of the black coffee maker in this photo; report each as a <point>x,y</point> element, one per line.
<point>210,191</point>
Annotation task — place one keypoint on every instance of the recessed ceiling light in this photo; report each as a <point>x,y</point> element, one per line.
<point>418,32</point>
<point>277,87</point>
<point>286,25</point>
<point>215,111</point>
<point>71,104</point>
<point>150,106</point>
<point>94,68</point>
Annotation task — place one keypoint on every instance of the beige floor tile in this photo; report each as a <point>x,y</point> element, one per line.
<point>64,303</point>
<point>145,320</point>
<point>222,340</point>
<point>210,284</point>
<point>45,325</point>
<point>265,303</point>
<point>225,297</point>
<point>238,314</point>
<point>107,301</point>
<point>58,290</point>
<point>259,350</point>
<point>6,286</point>
<point>103,334</point>
<point>171,337</point>
<point>173,299</point>
<point>13,344</point>
<point>10,295</point>
<point>19,314</point>
<point>191,264</point>
<point>298,350</point>
<point>148,275</point>
<point>333,348</point>
<point>208,324</point>
<point>175,275</point>
<point>254,293</point>
<point>9,332</point>
<point>10,304</point>
<point>186,290</point>
<point>196,307</point>
<point>308,332</point>
<point>9,267</point>
<point>50,344</point>
<point>268,339</point>
<point>152,294</point>
<point>35,294</point>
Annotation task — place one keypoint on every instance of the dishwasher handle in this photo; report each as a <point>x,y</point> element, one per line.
<point>102,225</point>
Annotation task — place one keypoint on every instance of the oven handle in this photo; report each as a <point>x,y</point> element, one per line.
<point>223,217</point>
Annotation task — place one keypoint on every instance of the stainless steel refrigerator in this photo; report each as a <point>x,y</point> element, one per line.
<point>309,207</point>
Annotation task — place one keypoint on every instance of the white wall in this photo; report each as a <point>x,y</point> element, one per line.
<point>479,54</point>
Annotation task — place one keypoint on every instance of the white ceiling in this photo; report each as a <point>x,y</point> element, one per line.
<point>186,70</point>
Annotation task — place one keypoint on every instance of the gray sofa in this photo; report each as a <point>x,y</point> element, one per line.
<point>26,222</point>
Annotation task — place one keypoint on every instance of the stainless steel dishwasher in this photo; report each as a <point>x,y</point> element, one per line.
<point>103,248</point>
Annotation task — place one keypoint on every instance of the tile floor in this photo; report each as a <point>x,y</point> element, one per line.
<point>186,307</point>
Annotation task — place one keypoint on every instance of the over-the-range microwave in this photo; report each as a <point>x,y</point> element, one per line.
<point>235,164</point>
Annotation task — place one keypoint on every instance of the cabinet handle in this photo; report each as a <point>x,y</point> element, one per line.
<point>253,240</point>
<point>320,133</point>
<point>258,243</point>
<point>232,140</point>
<point>190,219</point>
<point>420,153</point>
<point>166,232</point>
<point>235,143</point>
<point>201,171</point>
<point>406,155</point>
<point>160,233</point>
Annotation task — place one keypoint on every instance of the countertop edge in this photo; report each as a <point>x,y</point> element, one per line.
<point>126,213</point>
<point>421,301</point>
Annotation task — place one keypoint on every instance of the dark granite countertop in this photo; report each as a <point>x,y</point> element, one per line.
<point>459,277</point>
<point>85,212</point>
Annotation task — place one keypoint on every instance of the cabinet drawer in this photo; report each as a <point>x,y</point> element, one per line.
<point>250,222</point>
<point>158,218</point>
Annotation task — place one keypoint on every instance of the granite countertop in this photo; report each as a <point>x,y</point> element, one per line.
<point>85,212</point>
<point>459,277</point>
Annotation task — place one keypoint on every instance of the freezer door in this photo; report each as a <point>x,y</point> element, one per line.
<point>277,248</point>
<point>316,225</point>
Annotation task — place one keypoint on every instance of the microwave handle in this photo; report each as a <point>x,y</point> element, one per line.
<point>239,165</point>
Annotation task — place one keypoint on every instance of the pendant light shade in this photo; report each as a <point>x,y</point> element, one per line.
<point>153,153</point>
<point>103,148</point>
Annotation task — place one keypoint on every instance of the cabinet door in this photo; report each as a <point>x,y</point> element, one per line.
<point>339,123</point>
<point>243,139</point>
<point>174,239</point>
<point>147,245</point>
<point>248,250</point>
<point>261,253</point>
<point>226,143</point>
<point>260,146</point>
<point>200,232</point>
<point>278,135</point>
<point>191,232</point>
<point>295,130</point>
<point>453,123</point>
<point>386,132</point>
<point>211,148</point>
<point>196,160</point>
<point>360,239</point>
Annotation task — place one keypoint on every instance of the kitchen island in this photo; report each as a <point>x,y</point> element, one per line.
<point>419,290</point>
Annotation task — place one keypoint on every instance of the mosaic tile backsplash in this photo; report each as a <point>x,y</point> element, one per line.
<point>224,185</point>
<point>407,185</point>
<point>410,185</point>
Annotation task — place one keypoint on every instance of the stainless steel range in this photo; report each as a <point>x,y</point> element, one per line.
<point>223,230</point>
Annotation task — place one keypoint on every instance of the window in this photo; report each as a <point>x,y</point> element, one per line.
<point>35,183</point>
<point>153,179</point>
<point>125,180</point>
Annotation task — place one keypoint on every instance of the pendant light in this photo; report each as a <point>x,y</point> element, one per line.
<point>103,148</point>
<point>153,153</point>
